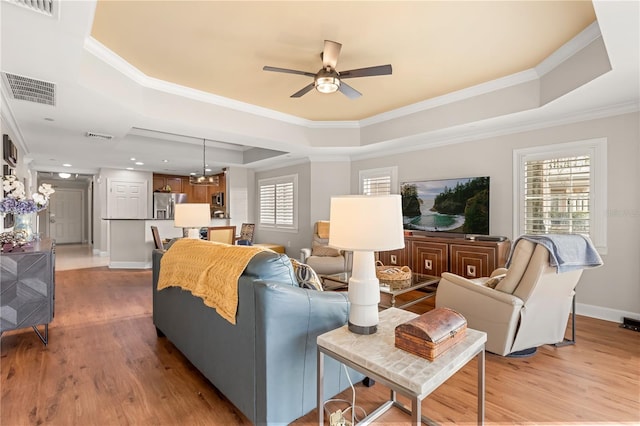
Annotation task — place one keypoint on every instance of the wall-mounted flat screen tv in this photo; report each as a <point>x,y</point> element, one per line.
<point>448,205</point>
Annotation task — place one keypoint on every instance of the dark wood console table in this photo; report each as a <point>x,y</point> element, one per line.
<point>27,288</point>
<point>434,255</point>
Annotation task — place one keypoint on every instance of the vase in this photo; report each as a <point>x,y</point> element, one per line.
<point>23,223</point>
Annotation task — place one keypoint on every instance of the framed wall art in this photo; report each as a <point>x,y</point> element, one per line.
<point>9,151</point>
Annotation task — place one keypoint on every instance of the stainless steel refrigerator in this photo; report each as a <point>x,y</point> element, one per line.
<point>164,204</point>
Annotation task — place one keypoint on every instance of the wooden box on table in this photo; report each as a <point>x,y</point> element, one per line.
<point>432,333</point>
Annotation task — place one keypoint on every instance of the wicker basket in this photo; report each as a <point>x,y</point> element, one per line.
<point>395,277</point>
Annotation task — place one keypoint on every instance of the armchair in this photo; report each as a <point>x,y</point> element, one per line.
<point>520,308</point>
<point>324,260</point>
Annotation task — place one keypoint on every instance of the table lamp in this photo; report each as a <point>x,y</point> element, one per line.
<point>192,216</point>
<point>364,224</point>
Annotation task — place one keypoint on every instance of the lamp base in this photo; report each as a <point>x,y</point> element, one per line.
<point>360,329</point>
<point>364,294</point>
<point>194,233</point>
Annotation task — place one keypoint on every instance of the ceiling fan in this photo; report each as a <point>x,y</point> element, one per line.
<point>328,79</point>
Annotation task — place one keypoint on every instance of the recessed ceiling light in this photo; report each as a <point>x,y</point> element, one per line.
<point>133,158</point>
<point>129,168</point>
<point>66,165</point>
<point>207,170</point>
<point>192,174</point>
<point>64,175</point>
<point>139,163</point>
<point>165,161</point>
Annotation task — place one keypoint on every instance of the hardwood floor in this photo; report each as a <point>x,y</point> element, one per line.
<point>105,366</point>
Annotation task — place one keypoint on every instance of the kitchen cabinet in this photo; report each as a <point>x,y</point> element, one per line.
<point>160,182</point>
<point>195,193</point>
<point>200,194</point>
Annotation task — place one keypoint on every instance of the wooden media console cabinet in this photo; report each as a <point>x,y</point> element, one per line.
<point>434,255</point>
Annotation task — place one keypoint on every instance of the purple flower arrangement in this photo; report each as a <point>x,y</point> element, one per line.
<point>15,200</point>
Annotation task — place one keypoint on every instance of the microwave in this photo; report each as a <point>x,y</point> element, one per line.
<point>217,199</point>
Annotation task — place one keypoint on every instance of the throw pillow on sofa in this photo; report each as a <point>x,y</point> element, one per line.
<point>323,229</point>
<point>493,282</point>
<point>306,276</point>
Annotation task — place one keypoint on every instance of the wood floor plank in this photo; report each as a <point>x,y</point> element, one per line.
<point>104,365</point>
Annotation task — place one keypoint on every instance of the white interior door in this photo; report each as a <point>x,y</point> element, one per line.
<point>66,215</point>
<point>127,199</point>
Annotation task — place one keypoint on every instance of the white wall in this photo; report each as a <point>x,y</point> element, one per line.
<point>327,179</point>
<point>609,292</point>
<point>317,183</point>
<point>293,241</point>
<point>239,192</point>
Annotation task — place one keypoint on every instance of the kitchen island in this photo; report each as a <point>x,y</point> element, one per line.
<point>131,242</point>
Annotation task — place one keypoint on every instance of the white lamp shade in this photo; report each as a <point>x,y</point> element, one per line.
<point>366,223</point>
<point>192,215</point>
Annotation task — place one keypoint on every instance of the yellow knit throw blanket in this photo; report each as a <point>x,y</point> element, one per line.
<point>209,270</point>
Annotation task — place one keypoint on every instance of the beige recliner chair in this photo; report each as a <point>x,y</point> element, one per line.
<point>324,260</point>
<point>528,307</point>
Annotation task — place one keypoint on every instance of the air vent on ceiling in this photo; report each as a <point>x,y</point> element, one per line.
<point>46,7</point>
<point>101,136</point>
<point>29,89</point>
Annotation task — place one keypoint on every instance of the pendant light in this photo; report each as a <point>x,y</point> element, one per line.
<point>204,180</point>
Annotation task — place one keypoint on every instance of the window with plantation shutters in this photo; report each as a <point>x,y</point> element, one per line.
<point>557,194</point>
<point>378,181</point>
<point>277,202</point>
<point>561,189</point>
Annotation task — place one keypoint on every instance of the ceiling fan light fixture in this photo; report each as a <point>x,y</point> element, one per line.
<point>327,81</point>
<point>327,84</point>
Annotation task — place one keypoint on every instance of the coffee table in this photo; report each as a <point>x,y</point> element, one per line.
<point>376,356</point>
<point>427,283</point>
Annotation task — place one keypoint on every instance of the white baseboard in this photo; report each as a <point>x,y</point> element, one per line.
<point>97,252</point>
<point>603,313</point>
<point>129,265</point>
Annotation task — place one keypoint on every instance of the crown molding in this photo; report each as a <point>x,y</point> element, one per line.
<point>329,158</point>
<point>587,36</point>
<point>333,124</point>
<point>110,58</point>
<point>466,134</point>
<point>449,98</point>
<point>569,49</point>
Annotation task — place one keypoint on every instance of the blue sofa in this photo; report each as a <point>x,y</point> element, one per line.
<point>266,363</point>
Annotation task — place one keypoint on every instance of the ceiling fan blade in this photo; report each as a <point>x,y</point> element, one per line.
<point>349,91</point>
<point>366,72</point>
<point>287,71</point>
<point>330,54</point>
<point>302,91</point>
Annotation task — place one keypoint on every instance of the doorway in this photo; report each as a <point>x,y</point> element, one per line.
<point>67,215</point>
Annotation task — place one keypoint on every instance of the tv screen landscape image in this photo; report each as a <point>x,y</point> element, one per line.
<point>448,205</point>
